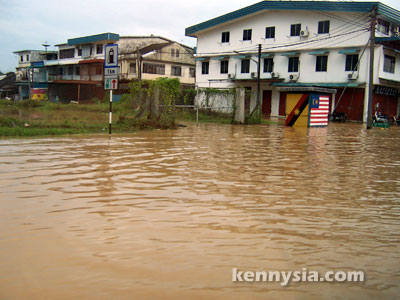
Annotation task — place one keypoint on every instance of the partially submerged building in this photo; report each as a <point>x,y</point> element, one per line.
<point>305,46</point>
<point>76,70</point>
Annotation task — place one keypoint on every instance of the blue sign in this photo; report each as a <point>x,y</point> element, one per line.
<point>111,56</point>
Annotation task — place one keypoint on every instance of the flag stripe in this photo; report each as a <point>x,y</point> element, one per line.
<point>319,113</point>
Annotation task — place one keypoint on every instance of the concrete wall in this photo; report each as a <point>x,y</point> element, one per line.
<point>347,30</point>
<point>161,56</point>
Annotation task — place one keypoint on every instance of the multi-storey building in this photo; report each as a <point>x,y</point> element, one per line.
<point>305,46</point>
<point>76,70</point>
<point>31,74</point>
<point>158,57</point>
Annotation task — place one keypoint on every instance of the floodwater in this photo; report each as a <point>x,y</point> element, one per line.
<point>169,214</point>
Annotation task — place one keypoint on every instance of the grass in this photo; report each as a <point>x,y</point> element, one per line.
<point>40,118</point>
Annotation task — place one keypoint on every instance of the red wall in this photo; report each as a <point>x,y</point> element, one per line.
<point>352,103</point>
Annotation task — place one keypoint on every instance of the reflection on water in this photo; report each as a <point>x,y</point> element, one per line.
<point>168,214</point>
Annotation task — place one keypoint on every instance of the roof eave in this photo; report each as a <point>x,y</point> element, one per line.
<point>332,6</point>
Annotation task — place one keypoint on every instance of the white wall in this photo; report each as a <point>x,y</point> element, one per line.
<point>209,41</point>
<point>209,46</point>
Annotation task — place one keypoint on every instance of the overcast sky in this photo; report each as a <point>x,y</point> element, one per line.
<point>27,24</point>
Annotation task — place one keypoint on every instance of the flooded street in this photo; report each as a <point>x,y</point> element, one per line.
<point>169,214</point>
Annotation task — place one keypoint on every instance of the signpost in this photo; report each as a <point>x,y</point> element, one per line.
<point>111,74</point>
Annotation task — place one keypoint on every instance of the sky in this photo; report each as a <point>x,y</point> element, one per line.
<point>27,24</point>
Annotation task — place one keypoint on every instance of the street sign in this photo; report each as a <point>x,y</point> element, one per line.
<point>111,72</point>
<point>110,83</point>
<point>111,56</point>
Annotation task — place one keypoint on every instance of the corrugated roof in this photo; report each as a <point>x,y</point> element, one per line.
<point>387,12</point>
<point>93,38</point>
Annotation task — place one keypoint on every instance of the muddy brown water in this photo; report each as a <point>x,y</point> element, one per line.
<point>168,214</point>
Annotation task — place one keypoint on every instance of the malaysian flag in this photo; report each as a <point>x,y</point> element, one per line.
<point>319,110</point>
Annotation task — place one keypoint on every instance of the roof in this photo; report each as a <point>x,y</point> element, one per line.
<point>93,38</point>
<point>156,37</point>
<point>383,10</point>
<point>22,51</point>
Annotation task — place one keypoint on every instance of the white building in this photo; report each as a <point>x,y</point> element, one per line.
<point>305,45</point>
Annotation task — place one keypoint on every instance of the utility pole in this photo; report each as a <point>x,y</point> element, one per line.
<point>259,83</point>
<point>371,67</point>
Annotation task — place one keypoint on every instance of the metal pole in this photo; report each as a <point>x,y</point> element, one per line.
<point>371,67</point>
<point>197,114</point>
<point>259,83</point>
<point>110,116</point>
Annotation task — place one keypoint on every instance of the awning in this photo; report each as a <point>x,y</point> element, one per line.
<point>289,53</point>
<point>37,64</point>
<point>91,61</point>
<point>242,56</point>
<point>267,54</point>
<point>323,85</point>
<point>318,52</point>
<point>349,51</point>
<point>220,57</point>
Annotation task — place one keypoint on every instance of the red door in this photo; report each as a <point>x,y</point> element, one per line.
<point>282,104</point>
<point>266,104</point>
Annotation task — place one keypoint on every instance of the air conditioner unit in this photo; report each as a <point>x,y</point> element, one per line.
<point>274,74</point>
<point>294,77</point>
<point>304,33</point>
<point>253,75</point>
<point>352,76</point>
<point>231,76</point>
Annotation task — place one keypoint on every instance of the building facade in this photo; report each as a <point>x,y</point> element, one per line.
<point>76,70</point>
<point>305,46</point>
<point>156,57</point>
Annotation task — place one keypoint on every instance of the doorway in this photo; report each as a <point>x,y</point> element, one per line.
<point>266,104</point>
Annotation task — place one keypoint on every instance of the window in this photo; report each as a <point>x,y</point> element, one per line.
<point>224,66</point>
<point>172,52</point>
<point>245,66</point>
<point>351,62</point>
<point>70,70</point>
<point>177,52</point>
<point>388,64</point>
<point>99,69</point>
<point>205,65</point>
<point>79,51</point>
<point>322,63</point>
<point>132,68</point>
<point>383,26</point>
<point>225,37</point>
<point>176,71</point>
<point>270,32</point>
<point>268,65</point>
<point>323,27</point>
<point>192,72</point>
<point>61,71</point>
<point>27,57</point>
<point>153,68</point>
<point>295,29</point>
<point>91,50</point>
<point>77,71</point>
<point>99,49</point>
<point>293,64</point>
<point>22,58</point>
<point>247,35</point>
<point>67,53</point>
